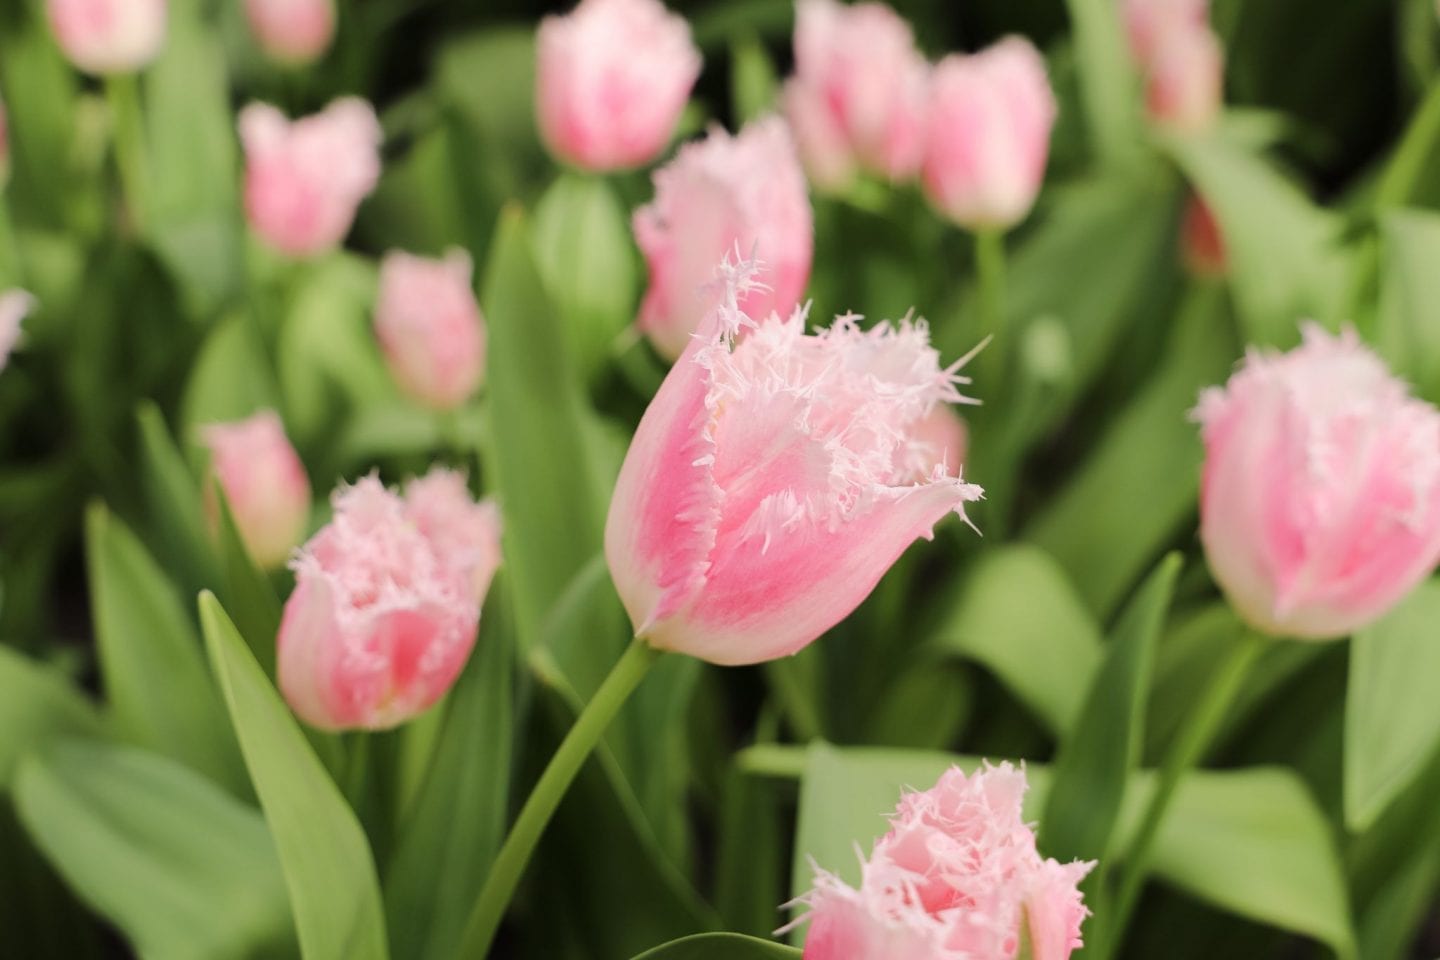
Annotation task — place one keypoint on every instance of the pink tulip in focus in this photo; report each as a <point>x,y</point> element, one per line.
<point>990,117</point>
<point>1202,245</point>
<point>385,608</point>
<point>1184,84</point>
<point>858,94</point>
<point>305,179</point>
<point>430,327</point>
<point>108,36</point>
<point>956,878</point>
<point>761,499</point>
<point>14,305</point>
<point>1320,501</point>
<point>292,31</point>
<point>612,78</point>
<point>721,193</point>
<point>264,483</point>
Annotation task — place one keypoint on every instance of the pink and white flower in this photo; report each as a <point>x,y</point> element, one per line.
<point>14,306</point>
<point>264,482</point>
<point>430,327</point>
<point>292,31</point>
<point>108,36</point>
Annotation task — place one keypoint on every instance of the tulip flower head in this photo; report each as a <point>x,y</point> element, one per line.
<point>765,492</point>
<point>264,482</point>
<point>108,36</point>
<point>1181,60</point>
<point>386,603</point>
<point>14,305</point>
<point>294,32</point>
<point>958,877</point>
<point>1320,500</point>
<point>717,195</point>
<point>857,99</point>
<point>430,327</point>
<point>612,78</point>
<point>304,180</point>
<point>1148,21</point>
<point>990,116</point>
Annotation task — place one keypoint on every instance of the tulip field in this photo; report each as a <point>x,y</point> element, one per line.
<point>719,479</point>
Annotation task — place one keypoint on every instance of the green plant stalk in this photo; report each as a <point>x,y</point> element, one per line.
<point>578,744</point>
<point>1193,739</point>
<point>123,93</point>
<point>1397,184</point>
<point>990,279</point>
<point>10,272</point>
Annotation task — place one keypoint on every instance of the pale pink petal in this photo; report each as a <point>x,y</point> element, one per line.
<point>108,36</point>
<point>264,482</point>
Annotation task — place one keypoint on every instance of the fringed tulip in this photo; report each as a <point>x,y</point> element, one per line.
<point>293,32</point>
<point>1202,245</point>
<point>108,36</point>
<point>762,497</point>
<point>990,116</point>
<point>264,483</point>
<point>612,78</point>
<point>14,305</point>
<point>1320,501</point>
<point>721,193</point>
<point>386,604</point>
<point>430,327</point>
<point>304,180</point>
<point>857,99</point>
<point>958,877</point>
<point>937,441</point>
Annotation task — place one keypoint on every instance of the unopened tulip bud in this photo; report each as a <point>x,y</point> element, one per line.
<point>304,180</point>
<point>990,117</point>
<point>721,194</point>
<point>859,90</point>
<point>1184,80</point>
<point>384,616</point>
<point>292,31</point>
<point>430,327</point>
<point>761,499</point>
<point>1202,245</point>
<point>264,483</point>
<point>108,36</point>
<point>958,877</point>
<point>14,305</point>
<point>612,78</point>
<point>1147,21</point>
<point>1320,501</point>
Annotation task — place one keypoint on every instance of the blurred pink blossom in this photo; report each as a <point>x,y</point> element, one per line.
<point>761,499</point>
<point>990,117</point>
<point>292,31</point>
<point>1180,59</point>
<point>1320,500</point>
<point>1202,245</point>
<point>430,327</point>
<point>304,180</point>
<point>1148,21</point>
<point>940,439</point>
<point>14,305</point>
<point>717,195</point>
<point>264,483</point>
<point>108,36</point>
<point>612,78</point>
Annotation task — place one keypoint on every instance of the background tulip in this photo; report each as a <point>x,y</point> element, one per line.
<point>292,31</point>
<point>264,482</point>
<point>108,36</point>
<point>14,305</point>
<point>430,327</point>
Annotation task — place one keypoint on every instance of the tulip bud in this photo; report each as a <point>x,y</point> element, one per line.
<point>264,483</point>
<point>430,327</point>
<point>858,94</point>
<point>958,876</point>
<point>292,31</point>
<point>1147,21</point>
<point>761,501</point>
<point>14,305</point>
<point>990,117</point>
<point>1184,82</point>
<point>108,36</point>
<point>1202,246</point>
<point>717,195</point>
<point>304,180</point>
<point>612,78</point>
<point>384,616</point>
<point>1320,500</point>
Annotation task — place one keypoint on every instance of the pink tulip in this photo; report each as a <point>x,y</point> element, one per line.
<point>718,194</point>
<point>264,483</point>
<point>430,327</point>
<point>1320,501</point>
<point>1147,21</point>
<point>14,305</point>
<point>956,878</point>
<point>990,117</point>
<point>292,31</point>
<point>1202,245</point>
<point>108,36</point>
<point>612,78</point>
<point>760,500</point>
<point>384,613</point>
<point>938,441</point>
<point>304,180</point>
<point>1185,79</point>
<point>858,94</point>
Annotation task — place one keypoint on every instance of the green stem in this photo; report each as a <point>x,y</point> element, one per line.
<point>123,92</point>
<point>509,866</point>
<point>11,275</point>
<point>990,273</point>
<point>1405,169</point>
<point>1194,738</point>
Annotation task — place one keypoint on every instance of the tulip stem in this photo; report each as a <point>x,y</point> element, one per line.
<point>990,273</point>
<point>509,866</point>
<point>1195,736</point>
<point>124,96</point>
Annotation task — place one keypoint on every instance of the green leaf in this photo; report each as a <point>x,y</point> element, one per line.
<point>1108,84</point>
<point>247,590</point>
<point>181,867</point>
<point>327,862</point>
<point>1016,614</point>
<point>1408,334</point>
<point>753,84</point>
<point>231,378</point>
<point>158,691</point>
<point>1097,758</point>
<point>720,946</point>
<point>1392,718</point>
<point>173,498</point>
<point>37,703</point>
